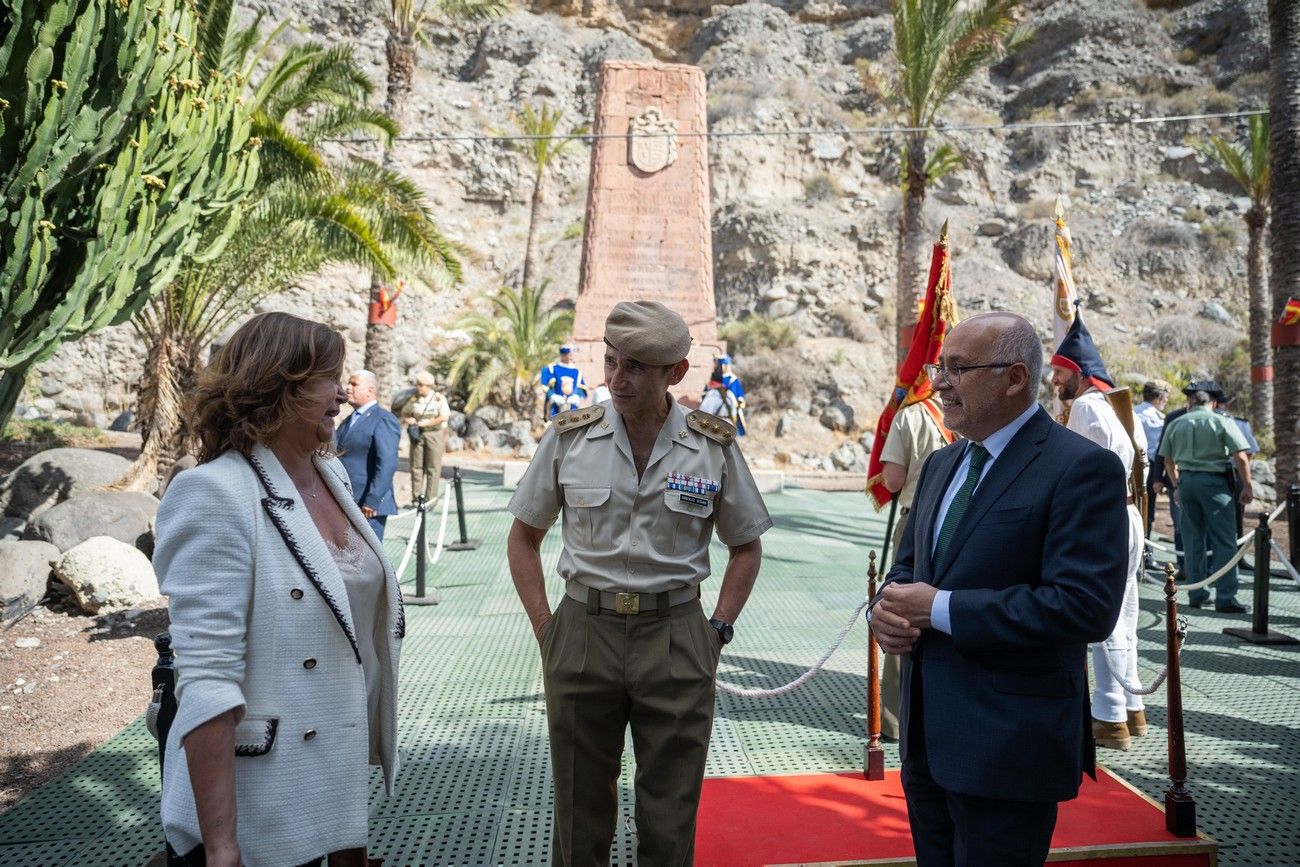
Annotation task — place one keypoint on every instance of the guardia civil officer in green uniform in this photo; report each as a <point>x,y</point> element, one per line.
<point>642,484</point>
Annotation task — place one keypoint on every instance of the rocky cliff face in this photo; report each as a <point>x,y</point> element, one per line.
<point>804,221</point>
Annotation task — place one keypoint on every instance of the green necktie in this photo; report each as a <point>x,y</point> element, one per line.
<point>978,455</point>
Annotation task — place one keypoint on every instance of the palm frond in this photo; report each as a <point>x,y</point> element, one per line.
<point>214,26</point>
<point>1246,162</point>
<point>282,151</point>
<point>318,75</point>
<point>342,121</point>
<point>543,144</point>
<point>471,10</point>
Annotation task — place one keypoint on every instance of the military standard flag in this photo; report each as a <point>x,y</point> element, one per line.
<point>1286,331</point>
<point>1063,305</point>
<point>938,315</point>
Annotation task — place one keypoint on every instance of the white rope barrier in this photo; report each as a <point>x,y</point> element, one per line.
<point>406,555</point>
<point>1138,688</point>
<point>415,534</point>
<point>442,528</point>
<point>1206,582</point>
<point>807,675</point>
<point>1291,570</point>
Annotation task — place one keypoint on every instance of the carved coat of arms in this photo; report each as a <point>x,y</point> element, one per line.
<point>652,141</point>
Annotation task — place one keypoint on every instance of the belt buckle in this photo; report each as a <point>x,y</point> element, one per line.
<point>627,603</point>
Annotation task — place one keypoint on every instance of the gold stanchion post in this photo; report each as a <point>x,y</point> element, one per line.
<point>874,766</point>
<point>1180,808</point>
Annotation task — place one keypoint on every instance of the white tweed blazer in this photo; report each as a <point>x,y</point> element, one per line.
<point>260,623</point>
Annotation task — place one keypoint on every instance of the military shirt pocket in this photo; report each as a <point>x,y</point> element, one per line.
<point>583,508</point>
<point>684,524</point>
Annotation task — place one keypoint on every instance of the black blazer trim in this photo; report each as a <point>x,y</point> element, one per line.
<point>262,747</point>
<point>399,631</point>
<point>274,505</point>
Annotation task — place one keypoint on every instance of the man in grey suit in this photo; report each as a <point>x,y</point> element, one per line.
<point>1013,561</point>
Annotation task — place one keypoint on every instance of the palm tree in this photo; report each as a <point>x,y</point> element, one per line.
<point>1284,161</point>
<point>507,346</point>
<point>939,45</point>
<point>405,21</point>
<point>1247,163</point>
<point>304,214</point>
<point>540,146</point>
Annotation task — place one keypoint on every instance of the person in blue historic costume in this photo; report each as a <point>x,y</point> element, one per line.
<point>551,377</point>
<point>733,384</point>
<point>1014,560</point>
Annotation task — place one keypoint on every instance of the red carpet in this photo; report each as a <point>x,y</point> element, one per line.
<point>833,818</point>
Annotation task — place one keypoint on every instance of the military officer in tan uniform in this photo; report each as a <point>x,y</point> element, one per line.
<point>642,483</point>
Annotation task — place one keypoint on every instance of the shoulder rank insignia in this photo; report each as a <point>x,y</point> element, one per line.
<point>576,418</point>
<point>712,427</point>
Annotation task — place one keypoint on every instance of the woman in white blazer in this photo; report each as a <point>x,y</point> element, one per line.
<point>286,616</point>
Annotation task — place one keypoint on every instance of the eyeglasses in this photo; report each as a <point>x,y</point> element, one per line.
<point>950,374</point>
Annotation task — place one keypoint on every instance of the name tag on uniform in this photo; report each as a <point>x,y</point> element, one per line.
<point>698,501</point>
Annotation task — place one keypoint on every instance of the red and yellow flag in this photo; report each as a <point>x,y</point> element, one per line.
<point>1290,313</point>
<point>938,315</point>
<point>1286,330</point>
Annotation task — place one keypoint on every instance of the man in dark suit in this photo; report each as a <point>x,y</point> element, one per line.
<point>1013,561</point>
<point>366,443</point>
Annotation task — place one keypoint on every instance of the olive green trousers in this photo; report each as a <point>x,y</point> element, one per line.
<point>603,672</point>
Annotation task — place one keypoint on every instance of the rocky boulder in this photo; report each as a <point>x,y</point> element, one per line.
<point>11,529</point>
<point>850,458</point>
<point>24,575</point>
<point>123,515</point>
<point>104,574</point>
<point>50,477</point>
<point>493,416</point>
<point>837,416</point>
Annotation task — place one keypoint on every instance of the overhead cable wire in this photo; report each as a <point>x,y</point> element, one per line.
<point>829,131</point>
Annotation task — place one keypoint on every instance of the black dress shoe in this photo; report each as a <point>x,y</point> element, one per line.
<point>1200,604</point>
<point>1231,608</point>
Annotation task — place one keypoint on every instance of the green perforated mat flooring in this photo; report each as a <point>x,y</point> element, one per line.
<point>475,780</point>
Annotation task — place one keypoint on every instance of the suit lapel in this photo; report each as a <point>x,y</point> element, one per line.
<point>304,541</point>
<point>927,511</point>
<point>1023,450</point>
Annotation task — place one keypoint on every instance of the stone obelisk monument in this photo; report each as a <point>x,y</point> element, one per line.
<point>647,233</point>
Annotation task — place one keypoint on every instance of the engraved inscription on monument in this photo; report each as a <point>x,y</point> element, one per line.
<point>647,224</point>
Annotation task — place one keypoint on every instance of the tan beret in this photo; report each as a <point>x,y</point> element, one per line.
<point>424,377</point>
<point>1157,385</point>
<point>648,332</point>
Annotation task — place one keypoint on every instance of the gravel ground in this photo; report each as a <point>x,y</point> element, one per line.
<point>70,682</point>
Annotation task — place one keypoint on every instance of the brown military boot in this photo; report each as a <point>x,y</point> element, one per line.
<point>1111,735</point>
<point>1137,723</point>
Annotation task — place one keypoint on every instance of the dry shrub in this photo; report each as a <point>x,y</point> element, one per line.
<point>772,383</point>
<point>756,334</point>
<point>1191,334</point>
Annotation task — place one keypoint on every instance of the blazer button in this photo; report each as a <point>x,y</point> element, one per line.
<point>309,734</point>
<point>295,593</point>
<point>309,663</point>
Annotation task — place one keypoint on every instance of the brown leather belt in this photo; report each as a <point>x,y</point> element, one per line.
<point>629,603</point>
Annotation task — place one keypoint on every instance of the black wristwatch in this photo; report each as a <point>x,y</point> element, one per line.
<point>725,630</point>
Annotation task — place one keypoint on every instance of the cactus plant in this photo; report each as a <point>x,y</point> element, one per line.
<point>115,144</point>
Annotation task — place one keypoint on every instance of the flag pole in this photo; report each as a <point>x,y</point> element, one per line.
<point>889,532</point>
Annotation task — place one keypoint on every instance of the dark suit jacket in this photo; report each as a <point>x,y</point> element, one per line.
<point>367,446</point>
<point>1037,571</point>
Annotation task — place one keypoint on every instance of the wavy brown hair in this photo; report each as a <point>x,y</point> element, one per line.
<point>254,384</point>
